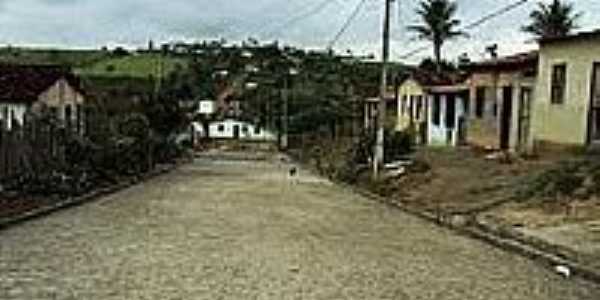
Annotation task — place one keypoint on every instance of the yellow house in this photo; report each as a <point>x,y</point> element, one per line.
<point>567,101</point>
<point>411,104</point>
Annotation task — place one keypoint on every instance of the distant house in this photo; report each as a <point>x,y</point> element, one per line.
<point>567,99</point>
<point>434,107</point>
<point>231,129</point>
<point>501,90</point>
<point>414,102</point>
<point>32,88</point>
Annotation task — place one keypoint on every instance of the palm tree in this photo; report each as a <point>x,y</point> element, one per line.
<point>551,20</point>
<point>439,24</point>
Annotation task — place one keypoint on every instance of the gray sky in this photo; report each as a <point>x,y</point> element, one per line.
<point>93,23</point>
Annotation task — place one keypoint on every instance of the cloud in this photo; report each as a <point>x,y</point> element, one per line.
<point>93,23</point>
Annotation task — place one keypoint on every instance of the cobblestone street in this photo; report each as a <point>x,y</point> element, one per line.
<point>225,229</point>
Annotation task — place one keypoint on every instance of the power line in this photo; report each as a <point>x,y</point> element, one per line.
<point>346,24</point>
<point>317,9</point>
<point>472,25</point>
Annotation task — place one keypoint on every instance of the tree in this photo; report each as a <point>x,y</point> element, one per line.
<point>439,24</point>
<point>552,20</point>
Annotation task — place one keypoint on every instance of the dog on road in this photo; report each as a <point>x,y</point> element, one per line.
<point>293,174</point>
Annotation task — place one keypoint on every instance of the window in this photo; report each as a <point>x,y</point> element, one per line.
<point>479,102</point>
<point>559,80</point>
<point>245,129</point>
<point>403,104</point>
<point>256,130</point>
<point>221,128</point>
<point>436,109</point>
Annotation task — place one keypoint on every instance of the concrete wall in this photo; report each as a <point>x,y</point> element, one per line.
<point>565,123</point>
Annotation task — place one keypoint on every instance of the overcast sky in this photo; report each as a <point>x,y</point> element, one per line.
<point>93,23</point>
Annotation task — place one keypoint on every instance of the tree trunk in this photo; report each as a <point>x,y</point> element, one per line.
<point>437,49</point>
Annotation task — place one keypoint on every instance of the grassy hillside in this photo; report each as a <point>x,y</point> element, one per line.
<point>135,66</point>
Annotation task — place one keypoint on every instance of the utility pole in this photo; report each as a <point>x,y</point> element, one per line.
<point>378,160</point>
<point>284,122</point>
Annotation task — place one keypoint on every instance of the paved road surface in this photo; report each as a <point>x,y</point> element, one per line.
<point>241,230</point>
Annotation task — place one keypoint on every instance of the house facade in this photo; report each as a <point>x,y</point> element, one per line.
<point>501,91</point>
<point>567,99</point>
<point>33,89</point>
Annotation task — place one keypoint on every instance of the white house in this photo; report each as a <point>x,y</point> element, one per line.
<point>239,130</point>
<point>25,88</point>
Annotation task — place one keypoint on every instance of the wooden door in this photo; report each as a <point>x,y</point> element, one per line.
<point>506,117</point>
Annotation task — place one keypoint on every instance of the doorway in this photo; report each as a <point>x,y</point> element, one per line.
<point>506,117</point>
<point>594,119</point>
<point>236,132</point>
<point>524,117</point>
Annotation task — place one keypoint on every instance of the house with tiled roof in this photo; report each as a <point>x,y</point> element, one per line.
<point>33,88</point>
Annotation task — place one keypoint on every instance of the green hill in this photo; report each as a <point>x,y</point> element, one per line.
<point>134,65</point>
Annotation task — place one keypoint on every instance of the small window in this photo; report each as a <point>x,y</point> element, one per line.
<point>436,109</point>
<point>256,130</point>
<point>479,102</point>
<point>559,80</point>
<point>245,129</point>
<point>221,128</point>
<point>403,104</point>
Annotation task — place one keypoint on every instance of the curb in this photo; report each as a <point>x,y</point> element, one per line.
<point>80,200</point>
<point>502,238</point>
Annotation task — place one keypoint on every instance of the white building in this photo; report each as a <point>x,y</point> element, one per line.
<point>235,130</point>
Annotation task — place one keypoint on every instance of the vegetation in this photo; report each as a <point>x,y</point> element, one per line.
<point>577,178</point>
<point>439,24</point>
<point>73,58</point>
<point>551,20</point>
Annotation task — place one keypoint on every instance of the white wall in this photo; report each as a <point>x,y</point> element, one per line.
<point>438,134</point>
<point>250,134</point>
